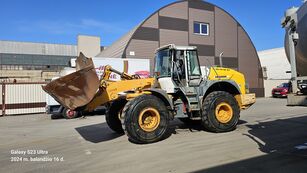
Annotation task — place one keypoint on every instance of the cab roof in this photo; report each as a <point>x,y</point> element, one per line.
<point>173,46</point>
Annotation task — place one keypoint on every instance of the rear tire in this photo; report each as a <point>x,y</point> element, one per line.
<point>220,112</point>
<point>145,119</point>
<point>70,114</point>
<point>112,115</point>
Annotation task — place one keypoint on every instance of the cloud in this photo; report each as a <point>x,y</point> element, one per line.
<point>110,27</point>
<point>61,27</point>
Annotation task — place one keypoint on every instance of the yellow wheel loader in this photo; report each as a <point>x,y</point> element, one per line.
<point>143,108</point>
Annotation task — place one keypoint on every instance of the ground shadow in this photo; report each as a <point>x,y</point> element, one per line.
<point>101,132</point>
<point>241,122</point>
<point>284,143</point>
<point>97,133</point>
<point>272,163</point>
<point>193,126</point>
<point>176,125</point>
<point>281,135</point>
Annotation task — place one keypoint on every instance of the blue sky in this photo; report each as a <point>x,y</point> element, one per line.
<point>59,21</point>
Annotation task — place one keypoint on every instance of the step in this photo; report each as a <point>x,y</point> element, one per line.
<point>194,107</point>
<point>195,118</point>
<point>191,94</point>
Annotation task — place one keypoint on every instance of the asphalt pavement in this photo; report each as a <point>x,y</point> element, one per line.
<point>271,137</point>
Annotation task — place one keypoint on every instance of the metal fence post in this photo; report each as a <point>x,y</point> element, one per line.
<point>3,99</point>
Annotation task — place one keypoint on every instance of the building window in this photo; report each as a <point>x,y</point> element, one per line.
<point>201,28</point>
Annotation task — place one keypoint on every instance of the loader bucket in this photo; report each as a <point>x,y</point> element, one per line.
<point>76,89</point>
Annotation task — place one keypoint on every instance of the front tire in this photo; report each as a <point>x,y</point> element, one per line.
<point>112,115</point>
<point>220,112</point>
<point>146,119</point>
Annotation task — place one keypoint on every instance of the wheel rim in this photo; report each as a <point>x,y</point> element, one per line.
<point>149,119</point>
<point>223,112</point>
<point>70,113</point>
<point>119,115</point>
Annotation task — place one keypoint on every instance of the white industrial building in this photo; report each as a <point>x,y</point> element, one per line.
<point>36,62</point>
<point>275,66</point>
<point>25,66</point>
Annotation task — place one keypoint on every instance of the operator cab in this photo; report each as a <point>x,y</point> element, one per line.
<point>177,66</point>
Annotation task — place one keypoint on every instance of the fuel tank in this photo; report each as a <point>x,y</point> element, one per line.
<point>301,47</point>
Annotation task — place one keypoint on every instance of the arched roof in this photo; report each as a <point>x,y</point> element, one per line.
<point>170,24</point>
<point>118,48</point>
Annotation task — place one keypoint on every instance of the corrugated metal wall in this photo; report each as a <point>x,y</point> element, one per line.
<point>13,47</point>
<point>31,59</point>
<point>24,98</point>
<point>1,99</point>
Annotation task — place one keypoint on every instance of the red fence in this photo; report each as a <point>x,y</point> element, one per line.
<point>22,98</point>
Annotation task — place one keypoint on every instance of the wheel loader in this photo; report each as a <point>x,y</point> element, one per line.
<point>143,108</point>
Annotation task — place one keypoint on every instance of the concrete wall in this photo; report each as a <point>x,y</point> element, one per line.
<point>276,63</point>
<point>88,45</point>
<point>26,75</point>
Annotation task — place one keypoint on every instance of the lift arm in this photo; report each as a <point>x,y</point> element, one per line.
<point>83,89</point>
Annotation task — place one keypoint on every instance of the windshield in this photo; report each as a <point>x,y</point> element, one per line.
<point>193,64</point>
<point>163,63</point>
<point>283,85</point>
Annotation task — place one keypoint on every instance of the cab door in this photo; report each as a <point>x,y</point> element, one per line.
<point>193,68</point>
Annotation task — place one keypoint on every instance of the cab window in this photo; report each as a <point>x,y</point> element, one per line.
<point>163,63</point>
<point>193,65</point>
